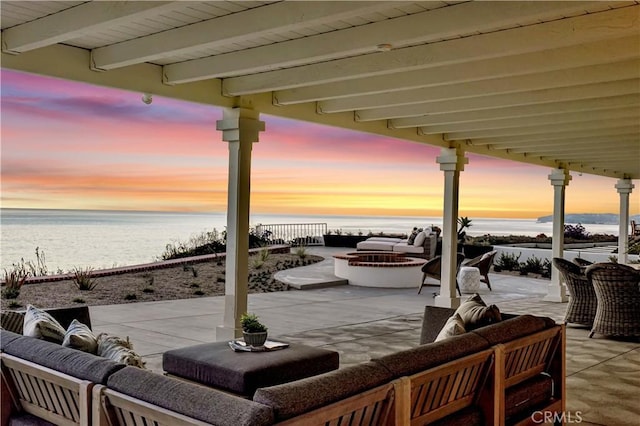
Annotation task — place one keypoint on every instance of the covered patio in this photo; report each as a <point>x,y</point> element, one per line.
<point>548,83</point>
<point>365,323</point>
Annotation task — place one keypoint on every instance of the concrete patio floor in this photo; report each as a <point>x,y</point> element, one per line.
<point>603,374</point>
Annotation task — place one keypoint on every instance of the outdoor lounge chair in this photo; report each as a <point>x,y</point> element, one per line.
<point>483,263</point>
<point>433,269</point>
<point>618,292</point>
<point>581,262</point>
<point>582,305</point>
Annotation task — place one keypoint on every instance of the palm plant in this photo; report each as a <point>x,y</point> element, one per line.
<point>464,222</point>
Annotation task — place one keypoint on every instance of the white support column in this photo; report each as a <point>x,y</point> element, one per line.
<point>557,291</point>
<point>451,162</point>
<point>624,187</point>
<point>241,128</point>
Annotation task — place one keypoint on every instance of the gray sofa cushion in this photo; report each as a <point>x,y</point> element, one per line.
<point>423,357</point>
<point>65,360</point>
<point>514,328</point>
<point>199,402</point>
<point>25,419</point>
<point>295,398</point>
<point>6,337</point>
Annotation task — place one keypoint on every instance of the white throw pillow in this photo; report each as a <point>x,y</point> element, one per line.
<point>475,313</point>
<point>453,327</point>
<point>41,325</point>
<point>80,337</point>
<point>420,238</point>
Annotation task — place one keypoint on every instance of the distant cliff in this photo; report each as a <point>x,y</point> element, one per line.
<point>590,218</point>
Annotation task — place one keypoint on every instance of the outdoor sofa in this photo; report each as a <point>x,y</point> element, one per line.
<point>466,379</point>
<point>424,246</point>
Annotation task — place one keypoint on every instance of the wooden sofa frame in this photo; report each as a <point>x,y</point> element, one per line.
<point>45,393</point>
<point>111,408</point>
<point>437,392</point>
<point>526,357</point>
<point>373,407</point>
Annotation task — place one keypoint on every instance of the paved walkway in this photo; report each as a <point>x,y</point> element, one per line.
<point>603,374</point>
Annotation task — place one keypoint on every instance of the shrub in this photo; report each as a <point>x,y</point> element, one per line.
<point>148,290</point>
<point>14,280</point>
<point>199,293</point>
<point>130,296</point>
<point>13,304</point>
<point>546,269</point>
<point>82,278</point>
<point>264,254</point>
<point>576,232</point>
<point>79,300</point>
<point>508,262</point>
<point>301,252</point>
<point>10,293</point>
<point>533,265</point>
<point>203,243</point>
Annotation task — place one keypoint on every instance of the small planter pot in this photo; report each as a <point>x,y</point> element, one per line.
<point>255,339</point>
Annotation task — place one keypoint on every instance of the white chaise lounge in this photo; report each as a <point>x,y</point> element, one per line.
<point>424,245</point>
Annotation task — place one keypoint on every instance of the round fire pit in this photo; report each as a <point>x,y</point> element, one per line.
<point>379,269</point>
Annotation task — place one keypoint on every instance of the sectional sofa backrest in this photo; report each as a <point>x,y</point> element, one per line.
<point>13,320</point>
<point>294,399</point>
<point>133,394</point>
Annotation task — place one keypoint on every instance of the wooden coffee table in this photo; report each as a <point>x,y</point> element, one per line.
<point>218,366</point>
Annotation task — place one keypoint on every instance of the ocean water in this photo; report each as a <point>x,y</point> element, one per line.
<point>104,239</point>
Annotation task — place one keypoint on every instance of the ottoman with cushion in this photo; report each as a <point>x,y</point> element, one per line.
<point>217,365</point>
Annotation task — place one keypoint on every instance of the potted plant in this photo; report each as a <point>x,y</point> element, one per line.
<point>253,331</point>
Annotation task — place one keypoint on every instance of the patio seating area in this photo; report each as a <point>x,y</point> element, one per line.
<point>362,323</point>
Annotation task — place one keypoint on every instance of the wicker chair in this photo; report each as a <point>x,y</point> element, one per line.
<point>617,289</point>
<point>483,263</point>
<point>583,303</point>
<point>581,262</point>
<point>433,269</point>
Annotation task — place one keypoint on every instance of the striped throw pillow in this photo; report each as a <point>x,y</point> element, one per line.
<point>80,337</point>
<point>119,350</point>
<point>41,325</point>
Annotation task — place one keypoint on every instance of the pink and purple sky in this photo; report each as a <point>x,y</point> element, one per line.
<point>69,145</point>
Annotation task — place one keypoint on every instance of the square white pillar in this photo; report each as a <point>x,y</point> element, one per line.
<point>451,162</point>
<point>557,291</point>
<point>241,128</point>
<point>624,187</point>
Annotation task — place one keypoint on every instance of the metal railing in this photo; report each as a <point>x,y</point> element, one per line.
<point>296,234</point>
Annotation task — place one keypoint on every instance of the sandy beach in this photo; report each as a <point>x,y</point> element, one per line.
<point>178,282</point>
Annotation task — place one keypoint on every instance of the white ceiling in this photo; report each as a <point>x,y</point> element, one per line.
<point>548,83</point>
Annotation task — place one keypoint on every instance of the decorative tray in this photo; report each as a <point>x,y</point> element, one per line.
<point>239,345</point>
